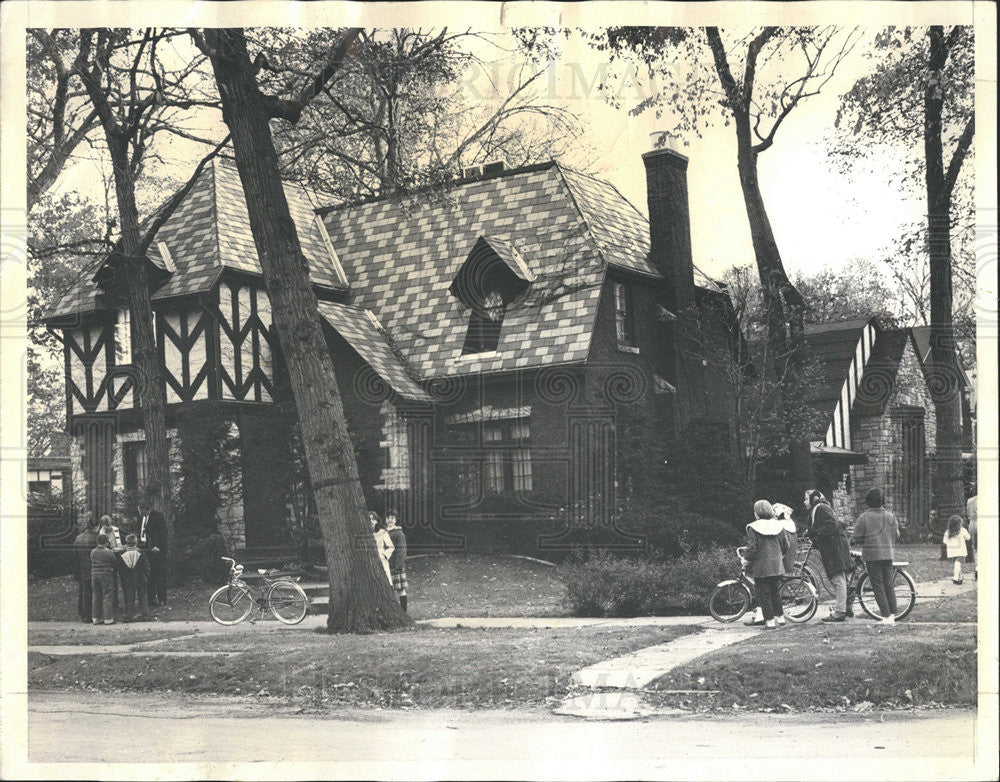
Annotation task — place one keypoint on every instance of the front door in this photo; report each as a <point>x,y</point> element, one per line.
<point>914,490</point>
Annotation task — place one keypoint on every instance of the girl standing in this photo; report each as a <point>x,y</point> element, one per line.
<point>954,539</point>
<point>766,547</point>
<point>383,543</point>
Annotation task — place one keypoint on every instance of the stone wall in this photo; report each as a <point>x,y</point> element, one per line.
<point>881,439</point>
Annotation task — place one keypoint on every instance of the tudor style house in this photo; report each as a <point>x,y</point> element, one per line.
<point>878,422</point>
<point>493,340</point>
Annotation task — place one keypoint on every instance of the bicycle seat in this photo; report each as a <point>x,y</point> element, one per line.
<point>900,563</point>
<point>261,571</point>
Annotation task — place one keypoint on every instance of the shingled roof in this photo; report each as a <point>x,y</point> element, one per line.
<point>400,255</point>
<point>210,231</point>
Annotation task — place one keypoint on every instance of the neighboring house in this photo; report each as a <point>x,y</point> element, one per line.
<point>878,422</point>
<point>50,476</point>
<point>491,340</point>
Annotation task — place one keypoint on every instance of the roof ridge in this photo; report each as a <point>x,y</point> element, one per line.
<point>448,186</point>
<point>595,246</point>
<point>215,219</point>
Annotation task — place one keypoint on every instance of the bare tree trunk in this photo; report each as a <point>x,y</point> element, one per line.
<point>150,388</point>
<point>361,599</point>
<point>945,375</point>
<point>783,303</point>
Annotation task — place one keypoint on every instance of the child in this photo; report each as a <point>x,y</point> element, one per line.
<point>103,565</point>
<point>397,562</point>
<point>383,543</point>
<point>954,539</point>
<point>135,576</point>
<point>766,548</point>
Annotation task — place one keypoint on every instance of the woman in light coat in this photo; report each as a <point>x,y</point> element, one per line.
<point>383,543</point>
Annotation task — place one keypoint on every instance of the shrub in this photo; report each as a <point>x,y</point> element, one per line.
<point>199,557</point>
<point>672,531</point>
<point>50,537</point>
<point>603,584</point>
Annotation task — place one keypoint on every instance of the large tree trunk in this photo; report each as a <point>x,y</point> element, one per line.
<point>945,375</point>
<point>361,599</point>
<point>150,391</point>
<point>783,303</point>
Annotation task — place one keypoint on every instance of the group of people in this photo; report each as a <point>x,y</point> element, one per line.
<point>771,552</point>
<point>126,557</point>
<point>390,542</point>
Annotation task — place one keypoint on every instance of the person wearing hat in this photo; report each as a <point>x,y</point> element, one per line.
<point>875,533</point>
<point>766,547</point>
<point>830,539</point>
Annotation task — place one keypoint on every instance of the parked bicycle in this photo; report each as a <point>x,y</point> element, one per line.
<point>859,585</point>
<point>280,595</point>
<point>733,598</point>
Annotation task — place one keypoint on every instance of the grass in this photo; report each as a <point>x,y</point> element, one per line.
<point>855,666</point>
<point>86,635</point>
<point>439,586</point>
<point>960,608</point>
<point>423,668</point>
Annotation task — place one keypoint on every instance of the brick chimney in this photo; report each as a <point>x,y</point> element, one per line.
<point>669,220</point>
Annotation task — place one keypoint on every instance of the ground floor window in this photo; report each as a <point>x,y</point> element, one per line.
<point>134,466</point>
<point>503,465</point>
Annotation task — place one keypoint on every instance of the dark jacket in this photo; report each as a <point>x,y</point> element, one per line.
<point>397,560</point>
<point>875,532</point>
<point>156,530</point>
<point>791,535</point>
<point>766,546</point>
<point>103,561</point>
<point>830,540</point>
<point>83,545</point>
<point>134,567</point>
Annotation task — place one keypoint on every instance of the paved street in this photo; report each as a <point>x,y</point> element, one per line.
<point>451,743</point>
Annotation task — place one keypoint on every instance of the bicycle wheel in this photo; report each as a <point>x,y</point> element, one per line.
<point>729,601</point>
<point>287,602</point>
<point>230,605</point>
<point>902,585</point>
<point>798,600</point>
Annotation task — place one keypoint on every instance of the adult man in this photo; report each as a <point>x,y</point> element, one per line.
<point>83,544</point>
<point>831,541</point>
<point>153,538</point>
<point>876,532</point>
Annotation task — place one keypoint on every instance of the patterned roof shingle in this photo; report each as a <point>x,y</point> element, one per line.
<point>209,231</point>
<point>357,327</point>
<point>400,256</point>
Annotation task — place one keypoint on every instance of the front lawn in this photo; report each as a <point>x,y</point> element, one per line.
<point>450,585</point>
<point>854,666</point>
<point>426,667</point>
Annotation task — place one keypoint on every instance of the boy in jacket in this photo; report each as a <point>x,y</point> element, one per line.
<point>134,567</point>
<point>875,532</point>
<point>103,565</point>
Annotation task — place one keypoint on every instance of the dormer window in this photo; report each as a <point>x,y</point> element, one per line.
<point>483,335</point>
<point>494,275</point>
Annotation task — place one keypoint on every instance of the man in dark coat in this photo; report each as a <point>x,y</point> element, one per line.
<point>83,544</point>
<point>153,538</point>
<point>830,539</point>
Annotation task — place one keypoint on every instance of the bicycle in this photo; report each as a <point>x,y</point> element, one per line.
<point>732,598</point>
<point>859,584</point>
<point>231,604</point>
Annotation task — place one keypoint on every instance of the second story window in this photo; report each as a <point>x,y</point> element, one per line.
<point>123,338</point>
<point>624,316</point>
<point>484,325</point>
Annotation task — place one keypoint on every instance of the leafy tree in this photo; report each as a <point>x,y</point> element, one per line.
<point>361,599</point>
<point>857,290</point>
<point>919,97</point>
<point>61,246</point>
<point>407,111</point>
